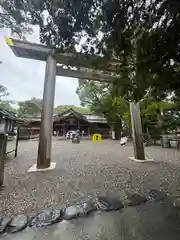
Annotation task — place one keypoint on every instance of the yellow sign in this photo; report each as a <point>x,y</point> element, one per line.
<point>97,137</point>
<point>8,41</point>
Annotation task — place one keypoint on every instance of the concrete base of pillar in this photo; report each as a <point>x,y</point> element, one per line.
<point>142,161</point>
<point>35,169</point>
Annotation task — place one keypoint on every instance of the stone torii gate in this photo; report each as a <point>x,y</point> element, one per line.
<point>40,52</point>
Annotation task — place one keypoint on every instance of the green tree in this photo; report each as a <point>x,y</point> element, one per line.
<point>14,15</point>
<point>141,34</point>
<point>5,104</point>
<point>3,91</point>
<point>117,30</point>
<point>30,108</point>
<point>20,15</point>
<point>155,122</point>
<point>101,101</point>
<point>62,108</point>
<point>161,46</point>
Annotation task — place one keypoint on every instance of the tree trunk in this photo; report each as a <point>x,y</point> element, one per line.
<point>118,129</point>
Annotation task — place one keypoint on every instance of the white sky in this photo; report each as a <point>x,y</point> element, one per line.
<point>24,78</point>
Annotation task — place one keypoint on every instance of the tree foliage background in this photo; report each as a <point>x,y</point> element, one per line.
<point>61,108</point>
<point>101,101</point>
<point>5,104</point>
<point>141,35</point>
<point>30,108</point>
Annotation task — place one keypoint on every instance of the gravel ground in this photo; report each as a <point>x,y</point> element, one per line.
<point>85,169</point>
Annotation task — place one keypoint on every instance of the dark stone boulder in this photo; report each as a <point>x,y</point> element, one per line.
<point>73,212</point>
<point>46,217</point>
<point>4,222</point>
<point>135,199</point>
<point>17,224</point>
<point>176,203</point>
<point>157,195</point>
<point>108,204</point>
<point>88,207</point>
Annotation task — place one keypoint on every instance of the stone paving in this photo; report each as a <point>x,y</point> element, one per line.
<point>85,169</point>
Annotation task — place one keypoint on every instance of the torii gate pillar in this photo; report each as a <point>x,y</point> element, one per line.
<point>45,138</point>
<point>137,131</point>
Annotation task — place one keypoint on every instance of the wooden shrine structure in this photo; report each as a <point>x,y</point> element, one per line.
<point>60,64</point>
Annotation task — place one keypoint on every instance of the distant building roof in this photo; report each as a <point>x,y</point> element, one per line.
<point>88,117</point>
<point>9,114</point>
<point>68,113</point>
<point>32,119</point>
<point>91,118</point>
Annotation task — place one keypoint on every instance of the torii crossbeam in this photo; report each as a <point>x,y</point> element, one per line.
<point>86,64</point>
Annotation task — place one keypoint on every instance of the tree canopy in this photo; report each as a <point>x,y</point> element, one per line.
<point>16,16</point>
<point>61,108</point>
<point>143,35</point>
<point>102,101</point>
<point>30,108</point>
<point>5,104</point>
<point>33,107</point>
<point>3,91</point>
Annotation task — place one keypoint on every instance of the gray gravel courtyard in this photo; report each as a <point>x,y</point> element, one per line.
<point>85,169</point>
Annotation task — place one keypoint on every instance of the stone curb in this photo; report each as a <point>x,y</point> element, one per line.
<point>81,209</point>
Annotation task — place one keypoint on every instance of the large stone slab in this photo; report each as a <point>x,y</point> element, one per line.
<point>46,217</point>
<point>4,221</point>
<point>18,224</point>
<point>176,203</point>
<point>135,199</point>
<point>88,206</point>
<point>73,212</point>
<point>157,195</point>
<point>108,203</point>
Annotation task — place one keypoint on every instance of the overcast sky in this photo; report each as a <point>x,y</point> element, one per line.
<point>24,78</point>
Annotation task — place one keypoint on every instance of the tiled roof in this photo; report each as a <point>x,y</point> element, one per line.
<point>89,117</point>
<point>62,115</point>
<point>67,113</point>
<point>8,114</point>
